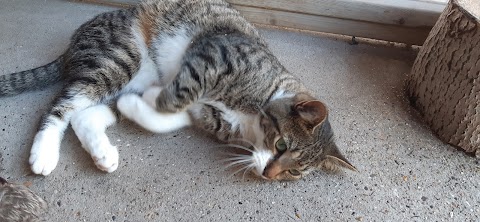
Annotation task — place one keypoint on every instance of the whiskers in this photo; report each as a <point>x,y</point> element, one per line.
<point>236,146</point>
<point>243,167</point>
<point>241,162</point>
<point>244,141</point>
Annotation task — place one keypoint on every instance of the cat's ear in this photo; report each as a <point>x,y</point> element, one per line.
<point>342,162</point>
<point>334,157</point>
<point>313,112</point>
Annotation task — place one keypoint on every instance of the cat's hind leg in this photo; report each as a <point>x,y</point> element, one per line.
<point>45,151</point>
<point>89,126</point>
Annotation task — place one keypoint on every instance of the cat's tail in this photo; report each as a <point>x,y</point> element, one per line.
<point>37,78</point>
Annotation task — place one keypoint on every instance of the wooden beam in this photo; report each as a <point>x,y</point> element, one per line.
<point>405,21</point>
<point>412,13</point>
<point>409,35</point>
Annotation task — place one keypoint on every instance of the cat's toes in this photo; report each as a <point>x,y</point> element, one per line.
<point>150,95</point>
<point>44,154</point>
<point>43,164</point>
<point>106,159</point>
<point>127,105</point>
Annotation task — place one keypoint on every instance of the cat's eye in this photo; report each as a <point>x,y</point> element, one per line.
<point>294,172</point>
<point>281,145</point>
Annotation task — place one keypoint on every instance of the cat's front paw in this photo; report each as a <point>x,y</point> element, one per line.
<point>45,153</point>
<point>150,95</point>
<point>106,158</point>
<point>128,105</point>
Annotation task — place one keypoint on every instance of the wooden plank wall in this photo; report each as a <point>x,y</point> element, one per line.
<point>406,21</point>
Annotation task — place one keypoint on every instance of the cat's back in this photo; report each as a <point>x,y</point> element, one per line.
<point>197,16</point>
<point>113,24</point>
<point>166,29</point>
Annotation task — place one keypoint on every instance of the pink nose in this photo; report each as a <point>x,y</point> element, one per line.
<point>272,170</point>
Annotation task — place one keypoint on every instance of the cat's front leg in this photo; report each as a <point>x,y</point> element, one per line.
<point>144,114</point>
<point>185,89</point>
<point>171,100</point>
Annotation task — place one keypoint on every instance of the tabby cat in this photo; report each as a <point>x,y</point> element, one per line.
<point>199,63</point>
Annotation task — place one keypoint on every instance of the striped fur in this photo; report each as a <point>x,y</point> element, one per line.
<point>18,203</point>
<point>210,62</point>
<point>37,78</point>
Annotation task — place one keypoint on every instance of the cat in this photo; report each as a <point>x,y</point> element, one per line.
<point>196,62</point>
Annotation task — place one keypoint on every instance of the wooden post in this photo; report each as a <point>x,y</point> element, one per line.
<point>444,84</point>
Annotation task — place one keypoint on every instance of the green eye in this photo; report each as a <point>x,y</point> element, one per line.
<point>294,172</point>
<point>280,145</point>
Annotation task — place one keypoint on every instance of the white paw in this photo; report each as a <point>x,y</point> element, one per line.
<point>45,152</point>
<point>150,95</point>
<point>106,157</point>
<point>128,105</point>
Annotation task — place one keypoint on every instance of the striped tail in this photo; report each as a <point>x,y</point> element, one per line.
<point>33,79</point>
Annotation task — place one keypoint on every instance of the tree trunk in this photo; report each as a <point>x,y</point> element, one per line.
<point>444,84</point>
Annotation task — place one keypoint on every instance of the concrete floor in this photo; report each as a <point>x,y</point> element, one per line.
<point>406,173</point>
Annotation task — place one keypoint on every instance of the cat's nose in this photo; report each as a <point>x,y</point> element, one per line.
<point>272,170</point>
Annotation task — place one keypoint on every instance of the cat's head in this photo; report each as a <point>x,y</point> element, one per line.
<point>298,139</point>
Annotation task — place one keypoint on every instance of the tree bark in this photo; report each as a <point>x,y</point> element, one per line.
<point>444,84</point>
